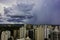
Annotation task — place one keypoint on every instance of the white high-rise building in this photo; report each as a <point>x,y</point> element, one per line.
<point>5,35</point>
<point>22,32</point>
<point>39,33</point>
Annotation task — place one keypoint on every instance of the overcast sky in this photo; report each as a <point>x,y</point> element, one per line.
<point>44,11</point>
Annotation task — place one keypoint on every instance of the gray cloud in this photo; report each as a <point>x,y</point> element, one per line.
<point>19,12</point>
